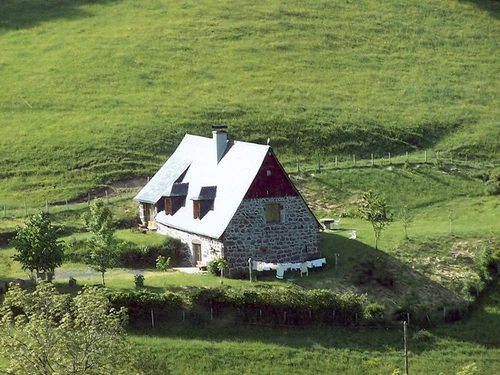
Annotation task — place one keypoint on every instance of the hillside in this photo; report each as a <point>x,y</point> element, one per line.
<point>94,92</point>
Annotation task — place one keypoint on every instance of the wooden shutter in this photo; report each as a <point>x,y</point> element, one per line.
<point>273,213</point>
<point>196,210</point>
<point>168,206</point>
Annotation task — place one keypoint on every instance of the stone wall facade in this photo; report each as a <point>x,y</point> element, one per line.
<point>210,248</point>
<point>294,239</point>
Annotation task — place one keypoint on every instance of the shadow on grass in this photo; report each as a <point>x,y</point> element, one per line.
<point>491,6</point>
<point>484,323</point>
<point>23,14</point>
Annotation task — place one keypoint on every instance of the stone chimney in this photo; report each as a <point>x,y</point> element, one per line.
<point>220,140</point>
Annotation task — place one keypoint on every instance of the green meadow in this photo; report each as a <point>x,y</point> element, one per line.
<point>95,92</point>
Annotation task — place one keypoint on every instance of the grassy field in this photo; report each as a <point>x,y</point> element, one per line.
<point>94,92</point>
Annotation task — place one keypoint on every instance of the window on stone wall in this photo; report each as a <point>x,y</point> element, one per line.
<point>273,213</point>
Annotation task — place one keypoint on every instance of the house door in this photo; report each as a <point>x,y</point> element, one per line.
<point>197,252</point>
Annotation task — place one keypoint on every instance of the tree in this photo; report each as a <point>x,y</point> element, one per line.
<point>221,266</point>
<point>45,332</point>
<point>374,209</point>
<point>103,250</point>
<point>162,264</point>
<point>406,218</point>
<point>37,245</point>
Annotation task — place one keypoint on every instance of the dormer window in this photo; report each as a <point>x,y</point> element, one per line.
<point>168,206</point>
<point>204,202</point>
<point>175,198</point>
<point>196,209</point>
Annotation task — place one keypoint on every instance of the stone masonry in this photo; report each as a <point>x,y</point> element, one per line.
<point>210,248</point>
<point>293,239</point>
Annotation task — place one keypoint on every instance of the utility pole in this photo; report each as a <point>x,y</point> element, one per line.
<point>405,335</point>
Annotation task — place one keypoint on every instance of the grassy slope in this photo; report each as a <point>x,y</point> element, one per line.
<point>93,92</point>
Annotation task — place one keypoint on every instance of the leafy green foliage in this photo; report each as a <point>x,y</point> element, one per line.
<point>162,263</point>
<point>375,209</point>
<point>45,332</point>
<point>133,255</point>
<point>139,281</point>
<point>38,246</point>
<point>103,250</point>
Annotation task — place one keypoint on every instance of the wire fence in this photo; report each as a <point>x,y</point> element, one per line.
<point>297,164</point>
<point>300,164</point>
<point>12,210</point>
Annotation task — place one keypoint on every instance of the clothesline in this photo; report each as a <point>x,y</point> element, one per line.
<point>282,267</point>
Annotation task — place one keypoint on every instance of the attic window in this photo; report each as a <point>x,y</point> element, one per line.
<point>196,209</point>
<point>269,173</point>
<point>168,206</point>
<point>273,213</point>
<point>175,197</point>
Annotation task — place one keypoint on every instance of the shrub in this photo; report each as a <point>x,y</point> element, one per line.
<point>212,267</point>
<point>139,281</point>
<point>133,256</point>
<point>423,336</point>
<point>374,313</point>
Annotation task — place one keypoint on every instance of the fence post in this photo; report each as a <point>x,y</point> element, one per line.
<point>354,159</point>
<point>152,318</point>
<point>389,158</point>
<point>407,161</point>
<point>437,155</point>
<point>183,316</point>
<point>88,199</point>
<point>372,160</point>
<point>107,197</point>
<point>405,340</point>
<point>336,161</point>
<point>451,158</point>
<point>425,156</point>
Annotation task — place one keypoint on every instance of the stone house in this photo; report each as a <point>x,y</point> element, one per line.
<point>232,199</point>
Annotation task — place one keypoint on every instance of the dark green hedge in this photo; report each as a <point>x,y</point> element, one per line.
<point>264,305</point>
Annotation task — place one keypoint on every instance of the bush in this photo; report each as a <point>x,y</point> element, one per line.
<point>132,256</point>
<point>139,281</point>
<point>374,313</point>
<point>423,336</point>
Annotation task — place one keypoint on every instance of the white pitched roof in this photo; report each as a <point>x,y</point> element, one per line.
<point>197,157</point>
